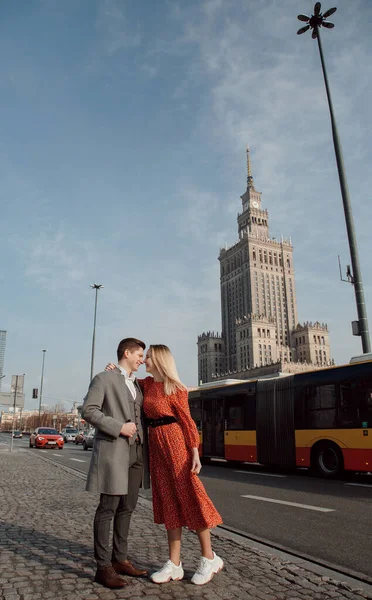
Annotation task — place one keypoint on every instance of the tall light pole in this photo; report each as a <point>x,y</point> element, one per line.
<point>18,387</point>
<point>41,386</point>
<point>96,287</point>
<point>315,22</point>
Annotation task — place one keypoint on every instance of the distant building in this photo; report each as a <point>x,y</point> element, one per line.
<point>260,329</point>
<point>2,353</point>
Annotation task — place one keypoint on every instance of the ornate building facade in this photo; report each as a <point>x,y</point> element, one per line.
<point>260,326</point>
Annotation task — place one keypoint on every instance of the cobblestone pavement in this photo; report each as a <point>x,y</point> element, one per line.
<point>46,548</point>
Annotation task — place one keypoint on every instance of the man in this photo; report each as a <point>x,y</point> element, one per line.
<point>119,461</point>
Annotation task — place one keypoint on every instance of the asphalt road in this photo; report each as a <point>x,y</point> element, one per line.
<point>327,520</point>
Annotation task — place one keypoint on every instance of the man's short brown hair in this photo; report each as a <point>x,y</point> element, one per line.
<point>130,344</point>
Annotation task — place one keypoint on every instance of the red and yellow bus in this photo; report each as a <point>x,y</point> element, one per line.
<point>320,419</point>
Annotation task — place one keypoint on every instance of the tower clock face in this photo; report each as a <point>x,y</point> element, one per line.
<point>255,204</point>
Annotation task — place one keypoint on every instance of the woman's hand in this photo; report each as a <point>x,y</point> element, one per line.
<point>196,464</point>
<point>110,367</point>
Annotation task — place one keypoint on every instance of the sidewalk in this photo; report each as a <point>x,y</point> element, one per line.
<point>46,548</point>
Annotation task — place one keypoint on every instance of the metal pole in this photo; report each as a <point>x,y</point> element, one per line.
<point>41,387</point>
<point>14,409</point>
<point>94,335</point>
<point>358,284</point>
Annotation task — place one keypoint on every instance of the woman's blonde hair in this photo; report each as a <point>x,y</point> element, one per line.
<point>164,362</point>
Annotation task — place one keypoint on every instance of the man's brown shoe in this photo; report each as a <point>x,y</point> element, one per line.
<point>109,578</point>
<point>125,567</point>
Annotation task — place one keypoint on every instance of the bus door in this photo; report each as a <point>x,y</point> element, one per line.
<point>275,422</point>
<point>213,427</point>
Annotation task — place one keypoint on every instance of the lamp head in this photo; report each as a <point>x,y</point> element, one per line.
<point>316,21</point>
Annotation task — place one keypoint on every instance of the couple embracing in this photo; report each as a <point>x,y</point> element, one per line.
<point>135,420</point>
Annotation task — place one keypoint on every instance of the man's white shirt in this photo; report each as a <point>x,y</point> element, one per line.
<point>129,380</point>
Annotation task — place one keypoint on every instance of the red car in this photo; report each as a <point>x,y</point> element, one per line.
<point>46,437</point>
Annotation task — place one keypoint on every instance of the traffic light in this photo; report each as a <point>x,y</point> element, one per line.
<point>35,393</point>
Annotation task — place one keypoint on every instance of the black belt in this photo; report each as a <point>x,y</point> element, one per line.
<point>166,420</point>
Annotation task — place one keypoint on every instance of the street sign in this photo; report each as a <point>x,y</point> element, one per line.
<point>17,380</point>
<point>7,399</point>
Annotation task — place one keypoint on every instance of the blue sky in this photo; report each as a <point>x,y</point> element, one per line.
<point>122,159</point>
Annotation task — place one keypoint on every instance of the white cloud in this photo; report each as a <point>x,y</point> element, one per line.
<point>118,34</point>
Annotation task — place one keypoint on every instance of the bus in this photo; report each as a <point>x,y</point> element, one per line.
<point>317,419</point>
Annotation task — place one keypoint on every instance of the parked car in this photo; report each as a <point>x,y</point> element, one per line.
<point>69,434</point>
<point>80,437</point>
<point>46,437</point>
<point>89,439</point>
<point>17,434</point>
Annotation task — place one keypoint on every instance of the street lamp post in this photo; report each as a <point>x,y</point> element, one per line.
<point>94,286</point>
<point>315,22</point>
<point>14,409</point>
<point>41,386</point>
<point>17,377</point>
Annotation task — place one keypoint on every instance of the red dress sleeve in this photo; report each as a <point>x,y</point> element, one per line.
<point>181,408</point>
<point>142,383</point>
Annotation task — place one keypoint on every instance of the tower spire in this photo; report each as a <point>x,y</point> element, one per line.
<point>250,182</point>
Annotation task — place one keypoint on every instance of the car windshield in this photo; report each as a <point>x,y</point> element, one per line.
<point>17,432</point>
<point>71,430</point>
<point>48,431</point>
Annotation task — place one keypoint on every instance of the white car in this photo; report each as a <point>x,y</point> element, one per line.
<point>69,434</point>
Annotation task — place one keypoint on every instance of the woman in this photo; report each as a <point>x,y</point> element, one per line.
<point>179,498</point>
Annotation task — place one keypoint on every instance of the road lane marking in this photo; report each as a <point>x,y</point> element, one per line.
<point>308,506</point>
<point>77,460</point>
<point>360,484</point>
<point>264,474</point>
<point>56,455</point>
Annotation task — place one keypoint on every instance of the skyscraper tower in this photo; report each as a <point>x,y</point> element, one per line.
<point>2,353</point>
<point>258,301</point>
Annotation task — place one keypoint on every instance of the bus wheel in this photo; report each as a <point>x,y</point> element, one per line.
<point>327,460</point>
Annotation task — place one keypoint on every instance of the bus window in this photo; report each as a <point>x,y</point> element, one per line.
<point>195,409</point>
<point>235,412</point>
<point>367,411</point>
<point>355,403</point>
<point>321,406</point>
<point>241,411</point>
<point>250,411</point>
<point>365,392</point>
<point>348,414</point>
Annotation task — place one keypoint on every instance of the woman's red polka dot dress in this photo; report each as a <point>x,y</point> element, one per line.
<point>179,498</point>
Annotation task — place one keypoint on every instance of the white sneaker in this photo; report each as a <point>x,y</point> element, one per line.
<point>206,569</point>
<point>168,572</point>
